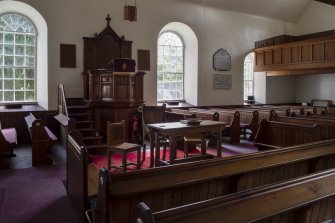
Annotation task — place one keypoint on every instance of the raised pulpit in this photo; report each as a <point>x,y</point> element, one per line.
<point>119,84</point>
<point>112,87</point>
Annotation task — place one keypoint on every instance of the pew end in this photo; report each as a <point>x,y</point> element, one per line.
<point>144,214</point>
<point>42,140</point>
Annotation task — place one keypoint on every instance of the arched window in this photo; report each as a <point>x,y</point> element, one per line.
<point>18,41</point>
<point>248,76</point>
<point>170,67</point>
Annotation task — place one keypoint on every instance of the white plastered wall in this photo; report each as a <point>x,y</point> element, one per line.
<point>69,21</point>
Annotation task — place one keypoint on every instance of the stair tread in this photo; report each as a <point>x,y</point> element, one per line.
<point>87,129</point>
<point>81,114</point>
<point>78,106</point>
<point>92,137</point>
<point>96,146</point>
<point>83,121</point>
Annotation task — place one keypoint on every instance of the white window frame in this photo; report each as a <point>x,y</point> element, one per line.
<point>248,76</point>
<point>25,67</point>
<point>166,73</point>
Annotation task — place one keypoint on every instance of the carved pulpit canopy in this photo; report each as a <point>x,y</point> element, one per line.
<point>101,49</point>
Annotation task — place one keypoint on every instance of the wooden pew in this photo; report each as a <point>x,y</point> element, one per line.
<point>41,140</point>
<point>327,124</point>
<point>82,177</point>
<point>232,118</point>
<point>305,199</point>
<point>176,185</point>
<point>249,119</point>
<point>66,125</point>
<point>274,135</point>
<point>8,139</point>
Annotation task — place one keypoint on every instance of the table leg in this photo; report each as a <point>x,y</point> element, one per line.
<point>124,161</point>
<point>173,144</point>
<point>157,149</point>
<point>108,159</point>
<point>203,144</point>
<point>218,142</point>
<point>152,146</point>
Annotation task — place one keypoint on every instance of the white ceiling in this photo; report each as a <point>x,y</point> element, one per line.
<point>287,10</point>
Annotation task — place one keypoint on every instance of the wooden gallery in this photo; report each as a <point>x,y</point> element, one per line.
<point>156,111</point>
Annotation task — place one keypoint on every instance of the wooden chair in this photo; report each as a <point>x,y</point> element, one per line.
<point>150,115</point>
<point>116,143</point>
<point>192,139</point>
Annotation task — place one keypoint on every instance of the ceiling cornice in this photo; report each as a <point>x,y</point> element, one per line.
<point>329,2</point>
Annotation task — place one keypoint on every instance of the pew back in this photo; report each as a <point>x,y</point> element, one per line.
<point>272,135</point>
<point>173,186</point>
<point>306,199</point>
<point>327,125</point>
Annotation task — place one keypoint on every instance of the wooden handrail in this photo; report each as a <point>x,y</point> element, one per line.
<point>62,107</point>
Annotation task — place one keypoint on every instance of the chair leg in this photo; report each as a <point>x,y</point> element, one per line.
<point>108,159</point>
<point>144,150</point>
<point>138,165</point>
<point>124,161</point>
<point>152,157</point>
<point>164,152</point>
<point>185,149</point>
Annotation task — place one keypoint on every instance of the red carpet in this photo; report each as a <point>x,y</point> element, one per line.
<point>227,150</point>
<point>101,160</point>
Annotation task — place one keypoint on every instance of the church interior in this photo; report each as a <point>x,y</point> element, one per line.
<point>156,111</point>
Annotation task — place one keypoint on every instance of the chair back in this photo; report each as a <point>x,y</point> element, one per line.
<point>115,133</point>
<point>153,114</point>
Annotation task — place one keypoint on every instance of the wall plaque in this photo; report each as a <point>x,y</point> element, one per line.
<point>221,81</point>
<point>143,59</point>
<point>68,55</point>
<point>221,60</point>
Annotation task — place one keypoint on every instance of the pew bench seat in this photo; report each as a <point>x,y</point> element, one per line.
<point>11,137</point>
<point>50,134</point>
<point>8,139</point>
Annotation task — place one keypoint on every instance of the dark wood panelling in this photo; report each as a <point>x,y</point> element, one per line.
<point>303,57</point>
<point>282,39</point>
<point>277,56</point>
<point>306,53</point>
<point>260,58</point>
<point>318,52</point>
<point>285,55</point>
<point>268,57</point>
<point>295,54</point>
<point>330,50</point>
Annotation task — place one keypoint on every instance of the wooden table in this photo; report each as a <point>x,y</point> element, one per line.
<point>175,129</point>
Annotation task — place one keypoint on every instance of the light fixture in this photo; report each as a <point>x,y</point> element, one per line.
<point>130,12</point>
